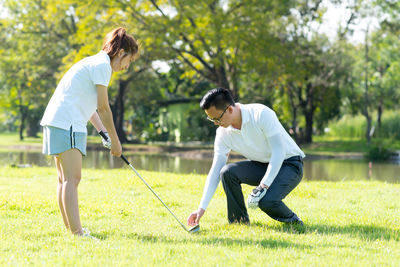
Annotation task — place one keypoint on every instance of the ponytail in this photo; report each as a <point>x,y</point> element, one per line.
<point>118,39</point>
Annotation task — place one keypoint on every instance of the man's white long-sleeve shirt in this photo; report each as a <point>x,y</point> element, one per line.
<point>261,138</point>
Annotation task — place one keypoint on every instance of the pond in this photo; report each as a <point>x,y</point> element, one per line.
<point>314,168</point>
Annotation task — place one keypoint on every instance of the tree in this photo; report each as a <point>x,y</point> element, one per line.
<point>35,43</point>
<point>374,85</point>
<point>385,57</point>
<point>310,70</point>
<point>209,37</point>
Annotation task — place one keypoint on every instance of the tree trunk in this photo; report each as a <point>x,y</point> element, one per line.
<point>369,126</point>
<point>379,118</point>
<point>309,116</point>
<point>369,123</point>
<point>23,114</point>
<point>118,111</point>
<point>32,121</point>
<point>366,96</point>
<point>33,128</point>
<point>308,108</point>
<point>222,81</point>
<point>293,107</point>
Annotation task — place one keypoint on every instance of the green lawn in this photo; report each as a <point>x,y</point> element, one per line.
<point>347,224</point>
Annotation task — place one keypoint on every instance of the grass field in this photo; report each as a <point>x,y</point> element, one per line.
<point>347,224</point>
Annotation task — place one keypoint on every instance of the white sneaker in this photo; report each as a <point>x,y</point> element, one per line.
<point>86,233</point>
<point>90,236</point>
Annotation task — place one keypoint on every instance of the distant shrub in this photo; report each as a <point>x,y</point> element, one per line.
<point>390,125</point>
<point>354,126</point>
<point>378,151</point>
<point>348,127</point>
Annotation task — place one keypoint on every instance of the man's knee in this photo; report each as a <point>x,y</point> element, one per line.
<point>226,174</point>
<point>268,204</point>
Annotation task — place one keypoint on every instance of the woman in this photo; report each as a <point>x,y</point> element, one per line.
<point>82,91</point>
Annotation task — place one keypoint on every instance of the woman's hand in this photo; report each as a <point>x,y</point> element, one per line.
<point>116,148</point>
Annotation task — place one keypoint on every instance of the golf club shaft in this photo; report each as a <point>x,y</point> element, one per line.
<point>148,186</point>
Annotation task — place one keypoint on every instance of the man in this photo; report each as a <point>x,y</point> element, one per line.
<point>274,162</point>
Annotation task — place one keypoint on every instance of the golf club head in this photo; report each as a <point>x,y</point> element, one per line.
<point>194,229</point>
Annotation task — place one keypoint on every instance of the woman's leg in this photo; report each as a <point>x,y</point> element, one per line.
<point>59,191</point>
<point>71,164</point>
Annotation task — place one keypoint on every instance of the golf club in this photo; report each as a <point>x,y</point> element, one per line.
<point>193,229</point>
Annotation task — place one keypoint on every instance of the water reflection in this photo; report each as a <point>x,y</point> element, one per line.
<point>342,170</point>
<point>314,169</point>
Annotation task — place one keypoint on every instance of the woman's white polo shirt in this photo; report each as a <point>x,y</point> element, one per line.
<point>75,98</point>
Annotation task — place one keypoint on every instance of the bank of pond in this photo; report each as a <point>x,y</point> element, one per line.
<point>315,168</point>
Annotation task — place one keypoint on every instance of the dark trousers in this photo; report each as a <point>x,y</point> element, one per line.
<point>251,173</point>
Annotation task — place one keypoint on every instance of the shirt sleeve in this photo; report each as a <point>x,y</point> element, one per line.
<point>220,158</point>
<point>220,143</point>
<point>212,180</point>
<point>277,158</point>
<point>101,74</point>
<point>268,122</point>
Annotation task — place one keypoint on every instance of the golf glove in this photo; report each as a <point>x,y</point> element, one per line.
<point>106,143</point>
<point>255,196</point>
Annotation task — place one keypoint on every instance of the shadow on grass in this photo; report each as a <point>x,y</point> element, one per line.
<point>365,232</point>
<point>223,241</point>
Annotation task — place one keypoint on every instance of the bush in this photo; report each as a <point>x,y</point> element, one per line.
<point>378,151</point>
<point>390,125</point>
<point>354,127</point>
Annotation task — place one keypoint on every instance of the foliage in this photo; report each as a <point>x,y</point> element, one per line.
<point>268,52</point>
<point>35,43</point>
<point>354,127</point>
<point>378,151</point>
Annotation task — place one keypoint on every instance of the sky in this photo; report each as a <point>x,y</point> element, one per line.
<point>338,15</point>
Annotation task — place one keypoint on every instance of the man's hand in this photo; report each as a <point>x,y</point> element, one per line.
<point>106,142</point>
<point>194,218</point>
<point>255,196</point>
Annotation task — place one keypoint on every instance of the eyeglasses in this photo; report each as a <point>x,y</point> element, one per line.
<point>218,120</point>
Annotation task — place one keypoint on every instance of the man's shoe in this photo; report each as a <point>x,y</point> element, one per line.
<point>296,226</point>
<point>299,222</point>
<point>241,221</point>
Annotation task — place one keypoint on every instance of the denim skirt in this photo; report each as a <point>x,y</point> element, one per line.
<point>57,140</point>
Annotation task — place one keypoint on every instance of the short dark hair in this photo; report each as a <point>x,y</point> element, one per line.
<point>219,97</point>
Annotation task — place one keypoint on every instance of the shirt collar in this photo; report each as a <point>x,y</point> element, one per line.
<point>105,55</point>
<point>245,117</point>
<point>245,114</point>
